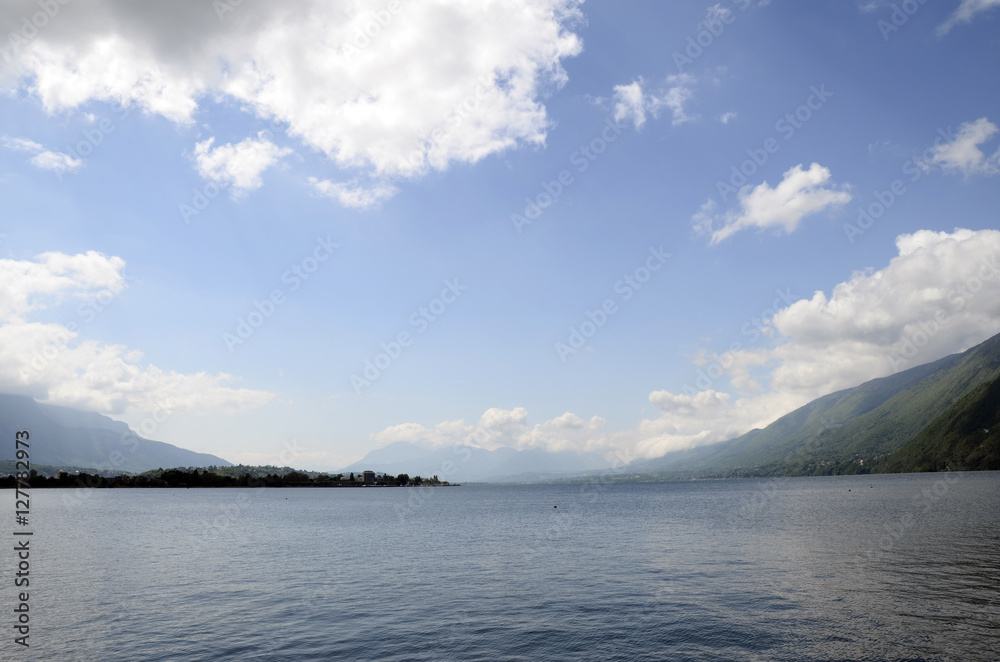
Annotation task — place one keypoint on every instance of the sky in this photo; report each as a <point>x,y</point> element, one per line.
<point>291,233</point>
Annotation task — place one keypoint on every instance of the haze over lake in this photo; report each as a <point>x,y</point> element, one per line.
<point>793,569</point>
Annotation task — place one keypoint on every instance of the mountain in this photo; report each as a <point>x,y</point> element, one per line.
<point>468,463</point>
<point>66,437</point>
<point>965,436</point>
<point>840,432</point>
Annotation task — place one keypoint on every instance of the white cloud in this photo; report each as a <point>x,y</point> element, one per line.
<point>26,285</point>
<point>43,158</point>
<point>505,428</point>
<point>964,154</point>
<point>677,94</point>
<point>632,103</point>
<point>350,194</point>
<point>438,82</point>
<point>21,144</point>
<point>726,118</point>
<point>238,165</point>
<point>800,193</point>
<point>965,12</point>
<point>57,162</point>
<point>57,364</point>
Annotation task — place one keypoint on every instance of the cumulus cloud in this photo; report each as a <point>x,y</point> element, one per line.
<point>26,286</point>
<point>43,158</point>
<point>800,193</point>
<point>387,93</point>
<point>964,152</point>
<point>58,364</point>
<point>238,165</point>
<point>632,102</point>
<point>965,13</point>
<point>499,428</point>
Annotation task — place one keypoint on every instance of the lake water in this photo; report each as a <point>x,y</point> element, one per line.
<point>854,568</point>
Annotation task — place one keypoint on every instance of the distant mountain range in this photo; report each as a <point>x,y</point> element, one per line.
<point>65,437</point>
<point>468,463</point>
<point>942,415</point>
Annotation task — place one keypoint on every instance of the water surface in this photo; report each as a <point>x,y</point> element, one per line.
<point>854,568</point>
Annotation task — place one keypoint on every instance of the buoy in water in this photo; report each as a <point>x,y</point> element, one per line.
<point>555,506</point>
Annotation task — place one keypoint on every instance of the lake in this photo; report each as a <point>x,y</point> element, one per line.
<point>898,567</point>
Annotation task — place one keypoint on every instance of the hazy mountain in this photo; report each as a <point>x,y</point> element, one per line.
<point>61,436</point>
<point>855,425</point>
<point>467,463</point>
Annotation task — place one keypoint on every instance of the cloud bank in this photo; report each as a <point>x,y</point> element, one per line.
<point>386,89</point>
<point>57,364</point>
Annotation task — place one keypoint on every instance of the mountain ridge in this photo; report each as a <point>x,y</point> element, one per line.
<point>62,436</point>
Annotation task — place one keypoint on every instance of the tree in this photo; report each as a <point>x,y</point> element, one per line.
<point>403,479</point>
<point>296,477</point>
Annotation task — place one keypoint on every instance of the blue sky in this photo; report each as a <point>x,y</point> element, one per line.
<point>215,214</point>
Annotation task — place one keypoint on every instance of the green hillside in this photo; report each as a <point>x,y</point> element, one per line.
<point>965,437</point>
<point>850,430</point>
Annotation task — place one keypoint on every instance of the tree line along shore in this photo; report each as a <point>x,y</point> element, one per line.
<point>231,477</point>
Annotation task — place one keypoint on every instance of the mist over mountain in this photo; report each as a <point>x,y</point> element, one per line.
<point>61,436</point>
<point>857,429</point>
<point>469,463</point>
